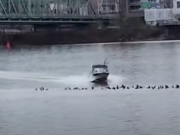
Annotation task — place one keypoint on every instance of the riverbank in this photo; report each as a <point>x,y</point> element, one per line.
<point>131,42</point>
<point>77,37</point>
<point>131,30</point>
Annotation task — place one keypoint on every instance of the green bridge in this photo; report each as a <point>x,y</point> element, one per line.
<point>49,12</point>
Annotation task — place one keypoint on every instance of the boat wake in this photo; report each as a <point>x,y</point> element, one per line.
<point>73,80</point>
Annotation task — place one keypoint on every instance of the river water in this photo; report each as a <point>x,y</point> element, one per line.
<point>25,111</point>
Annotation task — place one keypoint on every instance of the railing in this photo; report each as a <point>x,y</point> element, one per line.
<point>34,8</point>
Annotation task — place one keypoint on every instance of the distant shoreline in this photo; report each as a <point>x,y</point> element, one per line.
<point>131,31</point>
<point>108,43</point>
<point>132,42</point>
<point>77,37</point>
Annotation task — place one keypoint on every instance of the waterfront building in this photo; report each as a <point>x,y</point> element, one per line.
<point>130,8</point>
<point>169,13</point>
<point>135,8</point>
<point>106,6</point>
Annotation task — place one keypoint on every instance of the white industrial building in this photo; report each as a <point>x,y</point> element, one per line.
<point>164,15</point>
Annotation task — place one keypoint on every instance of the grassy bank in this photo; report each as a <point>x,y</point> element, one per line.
<point>133,29</point>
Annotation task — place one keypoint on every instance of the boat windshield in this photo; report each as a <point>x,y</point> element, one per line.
<point>100,70</point>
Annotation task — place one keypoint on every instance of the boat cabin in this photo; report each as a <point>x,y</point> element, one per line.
<point>96,69</point>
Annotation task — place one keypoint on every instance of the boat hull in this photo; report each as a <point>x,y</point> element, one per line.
<point>100,77</point>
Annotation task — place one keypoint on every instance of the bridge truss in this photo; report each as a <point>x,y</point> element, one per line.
<point>46,10</point>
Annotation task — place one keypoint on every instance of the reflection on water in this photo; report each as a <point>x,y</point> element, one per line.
<point>25,111</point>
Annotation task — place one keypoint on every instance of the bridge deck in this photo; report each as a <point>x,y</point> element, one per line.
<point>52,19</point>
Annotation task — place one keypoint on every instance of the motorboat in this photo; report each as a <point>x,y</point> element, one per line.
<point>99,72</point>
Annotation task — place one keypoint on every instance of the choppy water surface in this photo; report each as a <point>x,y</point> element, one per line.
<point>24,111</point>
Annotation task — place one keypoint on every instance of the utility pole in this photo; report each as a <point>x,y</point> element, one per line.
<point>122,15</point>
<point>120,12</point>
